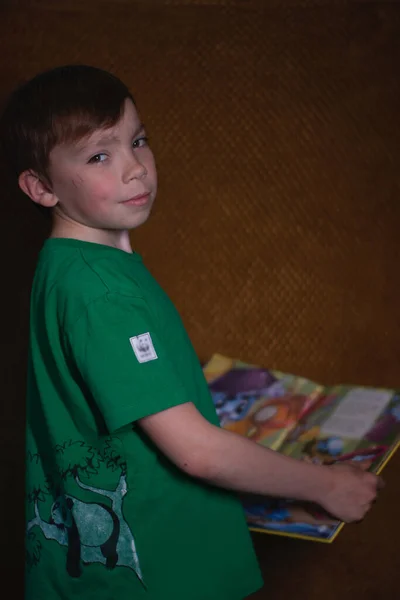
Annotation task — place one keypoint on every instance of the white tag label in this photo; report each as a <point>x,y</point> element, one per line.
<point>356,413</point>
<point>143,347</point>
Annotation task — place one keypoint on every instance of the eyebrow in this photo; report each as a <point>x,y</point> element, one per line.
<point>107,139</point>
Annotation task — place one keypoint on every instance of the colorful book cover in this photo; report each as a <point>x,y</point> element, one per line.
<point>308,421</point>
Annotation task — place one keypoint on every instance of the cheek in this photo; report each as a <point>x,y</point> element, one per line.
<point>96,190</point>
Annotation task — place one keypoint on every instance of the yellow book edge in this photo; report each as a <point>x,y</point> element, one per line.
<point>308,538</point>
<point>221,365</point>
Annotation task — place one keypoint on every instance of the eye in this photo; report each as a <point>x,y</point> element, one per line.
<point>140,142</point>
<point>97,158</point>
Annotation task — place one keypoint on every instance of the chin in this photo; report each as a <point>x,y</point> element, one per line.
<point>139,219</point>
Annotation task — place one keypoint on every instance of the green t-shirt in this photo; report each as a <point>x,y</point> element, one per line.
<point>108,516</point>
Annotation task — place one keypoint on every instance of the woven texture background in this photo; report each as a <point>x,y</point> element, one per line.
<point>276,232</point>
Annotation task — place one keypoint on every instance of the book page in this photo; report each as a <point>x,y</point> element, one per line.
<point>356,413</point>
<point>261,404</point>
<point>308,421</point>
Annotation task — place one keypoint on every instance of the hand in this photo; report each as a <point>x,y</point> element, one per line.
<point>352,492</point>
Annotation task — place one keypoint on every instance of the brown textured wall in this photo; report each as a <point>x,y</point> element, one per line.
<point>276,129</point>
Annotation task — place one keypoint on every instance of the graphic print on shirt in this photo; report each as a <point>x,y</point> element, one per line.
<point>93,531</point>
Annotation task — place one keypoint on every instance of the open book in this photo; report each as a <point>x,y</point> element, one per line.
<point>307,421</point>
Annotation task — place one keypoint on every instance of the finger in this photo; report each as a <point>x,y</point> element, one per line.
<point>368,506</point>
<point>364,509</point>
<point>380,483</point>
<point>375,480</point>
<point>361,515</point>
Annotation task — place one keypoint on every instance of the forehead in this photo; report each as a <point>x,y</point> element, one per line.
<point>128,124</point>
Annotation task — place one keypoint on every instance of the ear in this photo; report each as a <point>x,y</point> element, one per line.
<point>34,187</point>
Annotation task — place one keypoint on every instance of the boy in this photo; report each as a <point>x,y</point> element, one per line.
<point>130,480</point>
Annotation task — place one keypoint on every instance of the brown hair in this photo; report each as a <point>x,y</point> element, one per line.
<point>58,106</point>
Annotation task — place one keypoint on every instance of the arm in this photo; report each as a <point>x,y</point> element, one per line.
<point>227,460</point>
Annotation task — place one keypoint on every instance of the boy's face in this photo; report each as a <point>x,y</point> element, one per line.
<point>107,181</point>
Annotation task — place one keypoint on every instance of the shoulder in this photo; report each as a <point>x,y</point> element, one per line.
<point>69,283</point>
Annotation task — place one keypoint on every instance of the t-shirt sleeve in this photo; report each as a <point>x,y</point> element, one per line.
<point>117,347</point>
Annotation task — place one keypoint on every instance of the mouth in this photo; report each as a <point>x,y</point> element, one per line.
<point>139,200</point>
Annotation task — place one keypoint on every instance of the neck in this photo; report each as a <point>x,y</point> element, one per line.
<point>116,239</point>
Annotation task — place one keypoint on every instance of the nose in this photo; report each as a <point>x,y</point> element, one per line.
<point>133,168</point>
